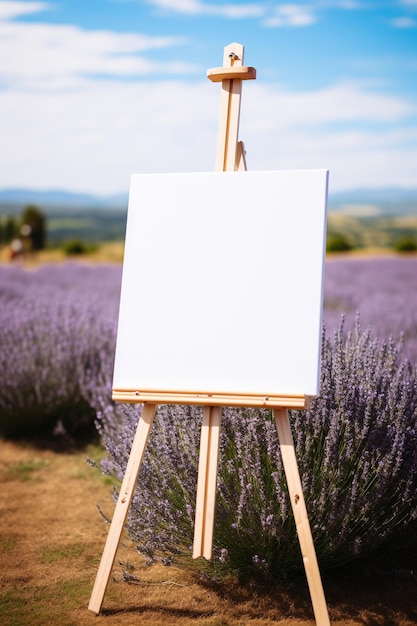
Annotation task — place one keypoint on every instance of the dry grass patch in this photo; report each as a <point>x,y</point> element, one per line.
<point>52,538</point>
<point>106,252</point>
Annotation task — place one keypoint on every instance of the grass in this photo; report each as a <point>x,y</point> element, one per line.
<point>34,608</point>
<point>25,470</point>
<point>105,252</point>
<point>52,538</point>
<point>51,554</point>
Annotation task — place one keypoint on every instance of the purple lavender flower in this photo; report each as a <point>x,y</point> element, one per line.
<point>382,290</point>
<point>356,450</point>
<point>57,338</point>
<point>355,447</point>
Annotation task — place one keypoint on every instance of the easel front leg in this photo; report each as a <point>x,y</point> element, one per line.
<point>301,517</point>
<point>122,507</point>
<point>206,486</point>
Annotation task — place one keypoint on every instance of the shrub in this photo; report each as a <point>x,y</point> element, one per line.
<point>337,242</point>
<point>10,228</point>
<point>33,218</point>
<point>406,244</point>
<point>55,336</point>
<point>76,247</point>
<point>356,451</point>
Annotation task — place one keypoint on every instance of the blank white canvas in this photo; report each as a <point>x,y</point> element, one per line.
<point>222,283</point>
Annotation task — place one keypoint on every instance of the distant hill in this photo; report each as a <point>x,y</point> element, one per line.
<point>375,196</point>
<point>103,218</point>
<point>71,215</point>
<point>57,198</point>
<point>388,202</point>
<point>365,202</point>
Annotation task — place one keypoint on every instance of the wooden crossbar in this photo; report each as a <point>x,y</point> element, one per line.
<point>201,398</point>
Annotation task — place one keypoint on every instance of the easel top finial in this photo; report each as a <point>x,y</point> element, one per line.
<point>233,67</point>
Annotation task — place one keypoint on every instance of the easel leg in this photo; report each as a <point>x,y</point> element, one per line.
<point>301,517</point>
<point>122,507</point>
<point>206,486</point>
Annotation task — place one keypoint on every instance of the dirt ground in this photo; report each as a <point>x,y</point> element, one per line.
<point>52,537</point>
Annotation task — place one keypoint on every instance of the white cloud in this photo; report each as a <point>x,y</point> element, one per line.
<point>349,4</point>
<point>291,15</point>
<point>404,22</point>
<point>62,128</point>
<point>59,56</point>
<point>93,138</point>
<point>345,102</point>
<point>355,158</point>
<point>346,128</point>
<point>196,7</point>
<point>10,10</point>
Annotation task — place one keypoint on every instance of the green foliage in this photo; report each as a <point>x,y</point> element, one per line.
<point>337,242</point>
<point>10,229</point>
<point>372,231</point>
<point>35,221</point>
<point>75,247</point>
<point>408,243</point>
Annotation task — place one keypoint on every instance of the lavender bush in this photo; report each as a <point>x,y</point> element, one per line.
<point>356,450</point>
<point>356,447</point>
<point>56,340</point>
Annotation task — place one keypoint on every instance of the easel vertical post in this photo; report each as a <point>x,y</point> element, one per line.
<point>230,156</point>
<point>301,517</point>
<point>127,490</point>
<point>207,483</point>
<point>230,152</point>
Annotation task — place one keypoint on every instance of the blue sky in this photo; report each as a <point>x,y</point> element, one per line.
<point>92,91</point>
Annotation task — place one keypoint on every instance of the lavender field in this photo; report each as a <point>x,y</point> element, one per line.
<point>383,291</point>
<point>79,303</point>
<point>356,445</point>
<point>57,337</point>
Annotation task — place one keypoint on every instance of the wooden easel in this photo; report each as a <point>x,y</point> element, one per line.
<point>230,156</point>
